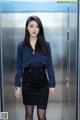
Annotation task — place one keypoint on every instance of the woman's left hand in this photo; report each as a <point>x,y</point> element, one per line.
<point>51,91</point>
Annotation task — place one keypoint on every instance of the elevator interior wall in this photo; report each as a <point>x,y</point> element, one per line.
<point>69,64</point>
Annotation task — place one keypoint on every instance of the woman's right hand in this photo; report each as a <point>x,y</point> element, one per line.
<point>18,92</point>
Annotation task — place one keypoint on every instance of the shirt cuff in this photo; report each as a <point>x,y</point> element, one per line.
<point>18,88</point>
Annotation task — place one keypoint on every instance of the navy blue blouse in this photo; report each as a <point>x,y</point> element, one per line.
<point>26,58</point>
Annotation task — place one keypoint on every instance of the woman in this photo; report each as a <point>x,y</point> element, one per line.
<point>34,66</point>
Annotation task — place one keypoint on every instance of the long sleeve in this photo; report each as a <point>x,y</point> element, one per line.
<point>50,69</point>
<point>19,70</point>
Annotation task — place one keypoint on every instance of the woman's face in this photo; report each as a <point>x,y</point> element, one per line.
<point>33,29</point>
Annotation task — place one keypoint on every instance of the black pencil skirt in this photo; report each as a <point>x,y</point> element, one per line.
<point>35,87</point>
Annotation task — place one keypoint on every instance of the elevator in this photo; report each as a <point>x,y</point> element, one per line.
<point>60,21</point>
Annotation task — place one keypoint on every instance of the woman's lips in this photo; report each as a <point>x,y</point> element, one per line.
<point>34,33</point>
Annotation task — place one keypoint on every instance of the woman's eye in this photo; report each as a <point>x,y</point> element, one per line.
<point>31,26</point>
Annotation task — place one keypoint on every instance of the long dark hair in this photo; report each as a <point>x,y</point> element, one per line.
<point>41,42</point>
